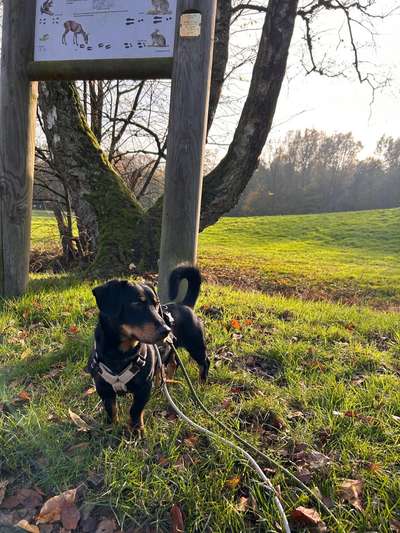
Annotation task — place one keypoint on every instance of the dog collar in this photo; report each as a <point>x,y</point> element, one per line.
<point>118,381</point>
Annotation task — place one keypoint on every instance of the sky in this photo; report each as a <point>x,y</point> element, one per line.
<point>339,104</point>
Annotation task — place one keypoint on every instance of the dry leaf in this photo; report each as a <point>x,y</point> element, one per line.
<point>350,490</point>
<point>53,509</point>
<point>232,483</point>
<point>226,403</point>
<point>24,524</point>
<point>106,526</point>
<point>248,322</point>
<point>243,504</point>
<point>73,330</point>
<point>77,420</point>
<point>395,526</point>
<point>70,516</point>
<point>191,441</point>
<point>89,392</point>
<point>24,396</point>
<point>28,498</point>
<point>235,324</point>
<point>177,519</point>
<point>304,515</point>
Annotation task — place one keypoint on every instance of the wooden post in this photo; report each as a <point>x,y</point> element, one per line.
<point>17,145</point>
<point>186,135</point>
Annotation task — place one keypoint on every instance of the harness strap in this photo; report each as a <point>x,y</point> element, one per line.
<point>119,381</point>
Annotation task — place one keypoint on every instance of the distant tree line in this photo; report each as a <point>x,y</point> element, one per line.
<point>312,171</point>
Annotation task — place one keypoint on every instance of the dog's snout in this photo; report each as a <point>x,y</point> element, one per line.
<point>164,331</point>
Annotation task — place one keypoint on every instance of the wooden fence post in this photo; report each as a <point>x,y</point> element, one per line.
<point>186,135</point>
<point>17,144</point>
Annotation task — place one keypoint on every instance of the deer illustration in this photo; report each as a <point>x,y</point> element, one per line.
<point>45,8</point>
<point>76,28</point>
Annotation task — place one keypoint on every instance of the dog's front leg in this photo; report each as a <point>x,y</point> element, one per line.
<point>142,396</point>
<point>110,406</point>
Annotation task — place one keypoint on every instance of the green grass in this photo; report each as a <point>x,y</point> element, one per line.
<point>350,257</point>
<point>325,359</point>
<point>328,379</point>
<point>44,230</point>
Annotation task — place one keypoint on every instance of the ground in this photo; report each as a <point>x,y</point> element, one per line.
<point>306,367</point>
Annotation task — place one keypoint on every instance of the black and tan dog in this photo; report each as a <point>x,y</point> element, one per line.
<point>130,323</point>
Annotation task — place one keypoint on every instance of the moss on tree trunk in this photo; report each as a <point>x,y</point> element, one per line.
<point>100,197</point>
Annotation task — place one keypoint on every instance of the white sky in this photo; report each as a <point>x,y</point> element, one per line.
<point>338,104</point>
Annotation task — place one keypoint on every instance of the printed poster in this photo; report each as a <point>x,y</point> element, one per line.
<point>104,29</point>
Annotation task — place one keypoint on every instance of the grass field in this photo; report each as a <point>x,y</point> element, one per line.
<point>315,385</point>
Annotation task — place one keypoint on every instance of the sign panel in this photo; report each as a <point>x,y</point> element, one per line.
<point>104,29</point>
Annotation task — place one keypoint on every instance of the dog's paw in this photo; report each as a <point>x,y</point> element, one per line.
<point>135,431</point>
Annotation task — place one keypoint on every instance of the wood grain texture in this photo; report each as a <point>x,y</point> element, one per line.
<point>17,145</point>
<point>101,69</point>
<point>186,141</point>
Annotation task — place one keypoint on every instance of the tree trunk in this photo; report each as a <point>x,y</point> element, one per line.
<point>101,201</point>
<point>224,185</point>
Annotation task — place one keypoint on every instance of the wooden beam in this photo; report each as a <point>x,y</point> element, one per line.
<point>102,69</point>
<point>186,136</point>
<point>17,145</point>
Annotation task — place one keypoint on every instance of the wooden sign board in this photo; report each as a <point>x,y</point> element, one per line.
<point>87,39</point>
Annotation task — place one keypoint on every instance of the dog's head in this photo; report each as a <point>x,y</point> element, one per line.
<point>132,310</point>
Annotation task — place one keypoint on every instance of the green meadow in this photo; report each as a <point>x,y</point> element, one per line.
<point>304,334</point>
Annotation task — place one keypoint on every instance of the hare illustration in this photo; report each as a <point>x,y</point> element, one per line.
<point>46,8</point>
<point>160,7</point>
<point>158,39</point>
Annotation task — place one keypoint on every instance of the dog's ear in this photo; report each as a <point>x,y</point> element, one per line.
<point>109,297</point>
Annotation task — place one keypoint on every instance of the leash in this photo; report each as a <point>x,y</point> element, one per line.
<point>272,461</point>
<point>229,443</point>
<point>163,311</point>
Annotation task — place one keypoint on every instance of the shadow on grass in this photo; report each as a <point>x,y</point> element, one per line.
<point>73,351</point>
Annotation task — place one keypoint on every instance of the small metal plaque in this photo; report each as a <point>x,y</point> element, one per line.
<point>190,25</point>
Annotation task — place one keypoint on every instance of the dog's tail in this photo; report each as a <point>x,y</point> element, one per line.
<point>193,277</point>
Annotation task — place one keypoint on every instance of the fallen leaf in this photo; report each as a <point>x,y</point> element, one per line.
<point>395,526</point>
<point>89,392</point>
<point>359,416</point>
<point>243,504</point>
<point>3,486</point>
<point>70,516</point>
<point>312,459</point>
<point>77,420</point>
<point>191,441</point>
<point>177,519</point>
<point>106,526</point>
<point>24,396</point>
<point>73,330</point>
<point>304,515</point>
<point>163,460</point>
<point>226,403</point>
<point>28,498</point>
<point>24,524</point>
<point>235,324</point>
<point>232,483</point>
<point>374,467</point>
<point>53,508</point>
<point>248,322</point>
<point>350,490</point>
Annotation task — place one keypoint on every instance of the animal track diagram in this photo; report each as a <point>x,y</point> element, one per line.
<point>104,29</point>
